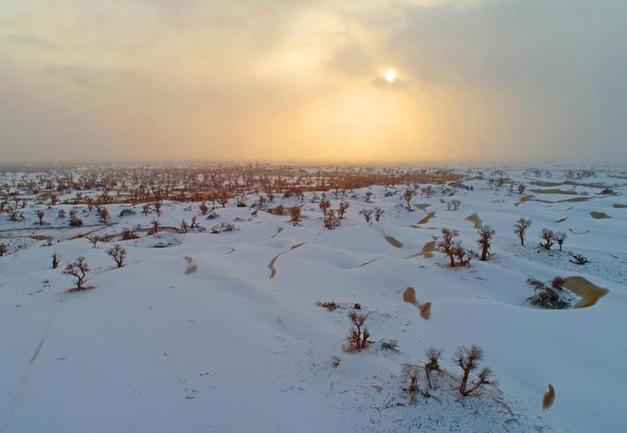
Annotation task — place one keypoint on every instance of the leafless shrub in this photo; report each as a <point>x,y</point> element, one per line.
<point>410,371</point>
<point>458,256</point>
<point>325,204</point>
<point>547,239</point>
<point>184,226</point>
<point>223,227</point>
<point>3,249</point>
<point>469,359</point>
<point>295,215</point>
<point>578,259</point>
<point>103,214</point>
<point>118,254</point>
<point>358,338</point>
<point>55,261</point>
<point>40,216</point>
<point>453,205</point>
<point>391,345</point>
<point>155,226</point>
<point>93,239</point>
<point>204,209</point>
<point>432,363</point>
<point>485,241</point>
<point>407,196</point>
<point>128,234</point>
<point>545,296</point>
<point>329,305</point>
<point>330,221</point>
<point>368,196</point>
<point>520,229</point>
<point>367,214</point>
<point>378,213</point>
<point>560,238</point>
<point>78,270</point>
<point>341,210</point>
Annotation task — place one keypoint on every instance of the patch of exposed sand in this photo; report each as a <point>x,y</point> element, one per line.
<point>583,288</point>
<point>619,206</point>
<point>475,220</point>
<point>393,241</point>
<point>599,215</point>
<point>274,259</point>
<point>409,296</point>
<point>426,218</point>
<point>561,220</point>
<point>554,191</point>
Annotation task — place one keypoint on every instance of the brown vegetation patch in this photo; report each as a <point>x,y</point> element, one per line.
<point>554,191</point>
<point>619,206</point>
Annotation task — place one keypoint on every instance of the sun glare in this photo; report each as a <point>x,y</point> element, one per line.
<point>390,75</point>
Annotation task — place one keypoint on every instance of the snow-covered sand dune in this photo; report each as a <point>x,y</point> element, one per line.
<point>239,344</point>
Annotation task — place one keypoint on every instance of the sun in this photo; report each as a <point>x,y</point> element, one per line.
<point>390,75</point>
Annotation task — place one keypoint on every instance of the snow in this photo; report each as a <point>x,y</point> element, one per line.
<point>226,348</point>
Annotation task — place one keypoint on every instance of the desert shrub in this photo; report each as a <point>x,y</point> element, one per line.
<point>432,364</point>
<point>328,305</point>
<point>61,214</point>
<point>341,210</point>
<point>184,226</point>
<point>93,239</point>
<point>213,215</point>
<point>560,238</point>
<point>468,359</point>
<point>3,249</point>
<point>330,221</point>
<point>78,270</point>
<point>103,214</point>
<point>367,214</point>
<point>547,239</point>
<point>426,191</point>
<point>223,227</point>
<point>378,213</point>
<point>40,216</point>
<point>129,211</point>
<point>295,215</point>
<point>521,188</point>
<point>358,338</point>
<point>118,254</point>
<point>368,195</point>
<point>204,209</point>
<point>128,234</point>
<point>410,371</point>
<point>546,296</point>
<point>75,220</point>
<point>453,205</point>
<point>485,241</point>
<point>391,345</point>
<point>578,259</point>
<point>155,226</point>
<point>324,204</point>
<point>55,261</point>
<point>407,196</point>
<point>520,229</point>
<point>448,245</point>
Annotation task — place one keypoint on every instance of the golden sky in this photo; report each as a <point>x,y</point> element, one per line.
<point>306,80</point>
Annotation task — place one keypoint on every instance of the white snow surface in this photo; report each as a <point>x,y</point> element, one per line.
<point>151,348</point>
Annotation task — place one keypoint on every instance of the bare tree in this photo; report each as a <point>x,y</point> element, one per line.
<point>40,216</point>
<point>367,214</point>
<point>341,210</point>
<point>118,254</point>
<point>358,338</point>
<point>55,261</point>
<point>485,241</point>
<point>330,220</point>
<point>520,229</point>
<point>432,364</point>
<point>103,214</point>
<point>295,215</point>
<point>560,238</point>
<point>93,240</point>
<point>469,360</point>
<point>78,270</point>
<point>547,239</point>
<point>447,244</point>
<point>407,196</point>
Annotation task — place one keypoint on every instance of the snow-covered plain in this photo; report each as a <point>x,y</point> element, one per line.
<point>230,347</point>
